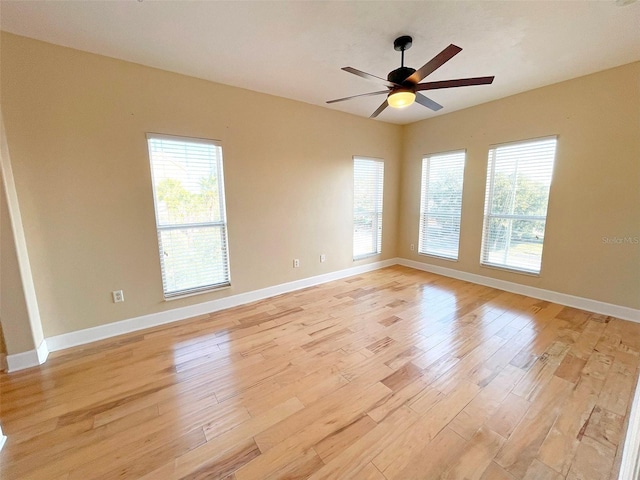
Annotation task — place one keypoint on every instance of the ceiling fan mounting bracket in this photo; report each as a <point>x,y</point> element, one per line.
<point>403,43</point>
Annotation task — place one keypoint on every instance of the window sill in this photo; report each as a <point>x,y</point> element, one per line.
<point>365,256</point>
<point>199,292</point>
<point>510,270</point>
<point>431,255</point>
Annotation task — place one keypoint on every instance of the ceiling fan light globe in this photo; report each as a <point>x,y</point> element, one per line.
<point>401,99</point>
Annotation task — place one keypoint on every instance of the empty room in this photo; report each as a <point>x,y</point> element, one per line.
<point>317,239</point>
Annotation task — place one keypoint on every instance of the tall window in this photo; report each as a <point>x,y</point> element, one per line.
<point>188,190</point>
<point>441,204</point>
<point>515,211</point>
<point>368,180</point>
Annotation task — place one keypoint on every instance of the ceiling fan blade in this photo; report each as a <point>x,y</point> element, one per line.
<point>460,82</point>
<point>368,76</point>
<point>427,102</point>
<point>384,105</point>
<point>356,96</point>
<point>432,65</point>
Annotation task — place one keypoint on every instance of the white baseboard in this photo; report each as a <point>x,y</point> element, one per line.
<point>28,359</point>
<point>630,466</point>
<point>43,352</point>
<point>587,304</point>
<point>3,438</point>
<point>80,337</point>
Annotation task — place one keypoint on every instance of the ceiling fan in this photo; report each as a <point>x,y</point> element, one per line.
<point>403,84</point>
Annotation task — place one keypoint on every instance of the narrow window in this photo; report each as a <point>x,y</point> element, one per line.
<point>368,180</point>
<point>188,189</point>
<point>441,204</point>
<point>515,211</point>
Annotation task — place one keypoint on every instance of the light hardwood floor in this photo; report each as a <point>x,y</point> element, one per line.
<point>394,374</point>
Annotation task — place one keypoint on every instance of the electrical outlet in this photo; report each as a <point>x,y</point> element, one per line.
<point>118,296</point>
<point>413,247</point>
<point>323,258</point>
<point>296,263</point>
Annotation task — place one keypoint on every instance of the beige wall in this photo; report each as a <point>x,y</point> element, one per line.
<point>76,126</point>
<point>595,191</point>
<point>14,316</point>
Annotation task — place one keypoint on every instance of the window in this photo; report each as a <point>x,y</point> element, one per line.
<point>441,204</point>
<point>368,179</point>
<point>515,211</point>
<point>188,190</point>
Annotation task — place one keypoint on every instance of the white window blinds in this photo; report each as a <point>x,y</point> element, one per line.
<point>441,204</point>
<point>515,212</point>
<point>368,182</point>
<point>188,190</point>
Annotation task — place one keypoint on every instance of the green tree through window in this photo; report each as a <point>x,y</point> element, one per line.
<point>191,220</point>
<point>441,204</point>
<point>518,182</point>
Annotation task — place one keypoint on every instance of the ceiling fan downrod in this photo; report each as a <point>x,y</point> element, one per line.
<point>401,44</point>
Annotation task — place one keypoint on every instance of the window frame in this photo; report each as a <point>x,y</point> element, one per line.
<point>222,223</point>
<point>377,214</point>
<point>489,196</point>
<point>424,191</point>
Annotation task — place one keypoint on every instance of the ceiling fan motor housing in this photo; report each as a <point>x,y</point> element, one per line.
<point>399,75</point>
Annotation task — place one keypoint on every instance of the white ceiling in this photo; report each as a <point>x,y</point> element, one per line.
<point>295,49</point>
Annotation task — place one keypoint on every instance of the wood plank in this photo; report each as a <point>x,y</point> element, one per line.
<point>522,446</point>
<point>361,397</point>
<point>508,415</point>
<point>539,471</point>
<point>358,456</point>
<point>620,381</point>
<point>432,460</point>
<point>476,456</point>
<point>558,449</point>
<point>486,403</point>
<point>383,409</point>
<point>225,466</point>
<point>135,460</point>
<point>592,460</point>
<point>605,427</point>
<point>496,472</point>
<point>370,472</point>
<point>393,461</point>
<point>283,443</point>
<point>332,445</point>
<point>402,377</point>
